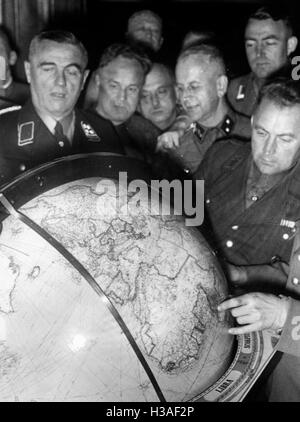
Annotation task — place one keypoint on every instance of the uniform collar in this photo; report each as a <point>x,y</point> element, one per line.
<point>226,125</point>
<point>68,123</point>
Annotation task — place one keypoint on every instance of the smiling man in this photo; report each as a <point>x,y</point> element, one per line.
<point>49,126</point>
<point>201,86</point>
<point>269,41</point>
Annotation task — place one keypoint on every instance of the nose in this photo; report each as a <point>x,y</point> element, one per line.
<point>61,78</point>
<point>270,145</point>
<point>121,96</point>
<point>260,50</point>
<point>155,101</point>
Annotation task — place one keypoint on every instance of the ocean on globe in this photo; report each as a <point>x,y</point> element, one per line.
<point>59,340</point>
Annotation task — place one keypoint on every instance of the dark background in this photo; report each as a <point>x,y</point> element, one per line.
<point>99,23</point>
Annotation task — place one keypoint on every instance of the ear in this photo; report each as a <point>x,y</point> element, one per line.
<point>161,42</point>
<point>27,71</point>
<point>97,79</point>
<point>13,58</point>
<point>222,84</point>
<point>292,43</point>
<point>85,76</point>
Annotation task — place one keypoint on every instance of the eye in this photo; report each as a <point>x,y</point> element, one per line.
<point>195,87</point>
<point>133,90</point>
<point>271,42</point>
<point>261,133</point>
<point>286,139</point>
<point>73,71</point>
<point>250,44</point>
<point>113,85</point>
<point>162,92</point>
<point>145,96</point>
<point>48,68</point>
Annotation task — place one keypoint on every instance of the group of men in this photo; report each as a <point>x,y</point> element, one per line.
<point>203,123</point>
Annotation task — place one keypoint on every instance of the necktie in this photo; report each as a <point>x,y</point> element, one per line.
<point>60,136</point>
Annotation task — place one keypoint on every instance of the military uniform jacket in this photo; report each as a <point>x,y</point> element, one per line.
<point>261,233</point>
<point>197,139</point>
<point>25,141</point>
<point>17,93</point>
<point>242,94</point>
<point>284,383</point>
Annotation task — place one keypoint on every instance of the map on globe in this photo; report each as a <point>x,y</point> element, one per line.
<point>59,341</point>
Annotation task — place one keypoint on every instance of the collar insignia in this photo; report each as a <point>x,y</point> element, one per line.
<point>241,93</point>
<point>25,134</point>
<point>90,132</point>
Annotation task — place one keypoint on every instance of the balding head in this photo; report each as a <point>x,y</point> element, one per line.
<point>158,98</point>
<point>201,82</point>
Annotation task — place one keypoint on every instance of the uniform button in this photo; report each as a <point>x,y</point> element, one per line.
<point>186,171</point>
<point>61,144</point>
<point>286,236</point>
<point>254,198</point>
<point>295,281</point>
<point>227,121</point>
<point>227,130</point>
<point>235,227</point>
<point>229,243</point>
<point>208,201</point>
<point>22,167</point>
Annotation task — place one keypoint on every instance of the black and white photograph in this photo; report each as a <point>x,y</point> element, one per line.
<point>149,204</point>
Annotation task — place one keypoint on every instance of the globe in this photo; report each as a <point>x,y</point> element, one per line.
<point>153,331</point>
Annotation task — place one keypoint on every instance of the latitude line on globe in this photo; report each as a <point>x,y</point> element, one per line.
<point>91,281</point>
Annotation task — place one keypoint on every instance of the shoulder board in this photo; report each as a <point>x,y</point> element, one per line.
<point>9,109</point>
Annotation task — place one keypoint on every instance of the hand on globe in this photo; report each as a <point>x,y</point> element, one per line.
<point>257,312</point>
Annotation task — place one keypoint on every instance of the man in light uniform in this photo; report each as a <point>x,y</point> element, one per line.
<point>269,42</point>
<point>253,205</point>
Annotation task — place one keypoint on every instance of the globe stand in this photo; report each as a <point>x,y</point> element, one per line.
<point>253,354</point>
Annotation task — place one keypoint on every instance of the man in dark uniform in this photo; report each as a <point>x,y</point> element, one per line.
<point>11,92</point>
<point>48,126</point>
<point>201,84</point>
<point>120,78</point>
<point>269,41</point>
<point>253,204</point>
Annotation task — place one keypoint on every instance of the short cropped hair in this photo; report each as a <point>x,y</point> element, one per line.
<point>61,37</point>
<point>144,14</point>
<point>197,36</point>
<point>127,51</point>
<point>210,50</point>
<point>283,92</point>
<point>275,12</point>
